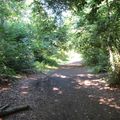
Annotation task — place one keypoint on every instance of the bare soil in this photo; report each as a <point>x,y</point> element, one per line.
<point>69,93</point>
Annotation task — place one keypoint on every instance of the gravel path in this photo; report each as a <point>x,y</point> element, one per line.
<point>70,93</point>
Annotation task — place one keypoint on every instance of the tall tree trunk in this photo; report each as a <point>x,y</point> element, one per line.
<point>111,59</point>
<point>111,55</point>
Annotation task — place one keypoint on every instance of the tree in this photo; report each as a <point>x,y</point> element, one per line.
<point>97,32</point>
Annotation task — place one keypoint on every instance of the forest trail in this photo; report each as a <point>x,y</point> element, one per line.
<point>69,93</point>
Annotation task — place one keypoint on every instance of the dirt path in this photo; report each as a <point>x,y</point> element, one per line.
<point>70,93</point>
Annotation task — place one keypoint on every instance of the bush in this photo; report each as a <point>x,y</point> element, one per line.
<point>96,58</point>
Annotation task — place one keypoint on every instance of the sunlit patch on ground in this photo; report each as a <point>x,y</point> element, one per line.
<point>100,87</point>
<point>59,75</point>
<point>24,90</point>
<point>109,101</point>
<point>5,87</point>
<point>93,81</point>
<point>56,89</point>
<point>88,75</point>
<point>89,83</point>
<point>97,87</point>
<point>86,84</point>
<point>24,93</point>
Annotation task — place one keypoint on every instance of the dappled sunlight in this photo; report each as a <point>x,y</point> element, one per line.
<point>88,75</point>
<point>56,89</point>
<point>92,81</point>
<point>24,90</point>
<point>4,89</point>
<point>109,101</point>
<point>24,93</point>
<point>88,83</point>
<point>108,88</point>
<point>59,75</point>
<point>48,52</point>
<point>24,87</point>
<point>98,89</point>
<point>81,75</point>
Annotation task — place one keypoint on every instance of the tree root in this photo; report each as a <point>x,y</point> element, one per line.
<point>4,112</point>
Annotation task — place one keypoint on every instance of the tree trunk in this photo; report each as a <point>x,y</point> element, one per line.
<point>111,59</point>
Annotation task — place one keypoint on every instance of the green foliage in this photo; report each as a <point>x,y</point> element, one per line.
<point>31,37</point>
<point>98,36</point>
<point>14,47</point>
<point>31,44</point>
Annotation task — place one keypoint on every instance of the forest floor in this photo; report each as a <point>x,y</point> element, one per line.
<point>69,93</point>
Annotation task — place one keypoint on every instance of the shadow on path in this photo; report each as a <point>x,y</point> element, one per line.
<point>75,94</point>
<point>70,93</point>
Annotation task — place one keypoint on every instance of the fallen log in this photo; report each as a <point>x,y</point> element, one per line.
<point>2,108</point>
<point>14,110</point>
